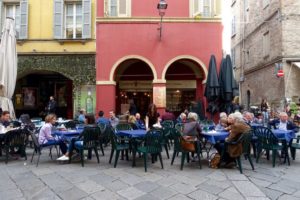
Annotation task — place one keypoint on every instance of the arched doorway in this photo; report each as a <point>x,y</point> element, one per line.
<point>134,83</point>
<point>34,88</point>
<point>184,85</point>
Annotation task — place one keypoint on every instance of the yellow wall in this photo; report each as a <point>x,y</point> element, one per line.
<point>40,32</point>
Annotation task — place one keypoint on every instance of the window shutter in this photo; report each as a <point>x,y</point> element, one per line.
<point>1,7</point>
<point>122,8</point>
<point>58,19</point>
<point>86,13</point>
<point>23,19</point>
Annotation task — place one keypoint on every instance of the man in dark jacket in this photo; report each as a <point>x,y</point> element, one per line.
<point>283,123</point>
<point>51,107</point>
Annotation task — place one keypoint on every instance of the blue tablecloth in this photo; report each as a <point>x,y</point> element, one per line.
<point>282,134</point>
<point>255,125</point>
<point>132,133</point>
<point>214,136</point>
<point>67,133</point>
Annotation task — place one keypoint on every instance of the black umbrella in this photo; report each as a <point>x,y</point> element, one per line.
<point>229,86</point>
<point>212,89</point>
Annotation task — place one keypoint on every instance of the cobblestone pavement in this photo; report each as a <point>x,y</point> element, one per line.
<point>51,180</point>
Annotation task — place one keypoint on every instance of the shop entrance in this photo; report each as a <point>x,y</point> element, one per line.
<point>33,91</point>
<point>184,85</point>
<point>134,83</point>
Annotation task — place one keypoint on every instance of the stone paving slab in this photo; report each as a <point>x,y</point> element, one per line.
<point>52,180</point>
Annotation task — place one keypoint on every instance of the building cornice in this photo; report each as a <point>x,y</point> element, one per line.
<point>263,65</point>
<point>55,53</point>
<point>106,83</point>
<point>156,20</point>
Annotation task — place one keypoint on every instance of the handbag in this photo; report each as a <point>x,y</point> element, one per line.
<point>187,143</point>
<point>215,160</point>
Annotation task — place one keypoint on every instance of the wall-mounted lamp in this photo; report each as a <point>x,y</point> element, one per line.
<point>161,7</point>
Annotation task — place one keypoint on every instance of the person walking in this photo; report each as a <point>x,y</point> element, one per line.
<point>51,106</point>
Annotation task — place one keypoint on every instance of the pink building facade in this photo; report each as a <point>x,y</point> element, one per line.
<point>133,64</point>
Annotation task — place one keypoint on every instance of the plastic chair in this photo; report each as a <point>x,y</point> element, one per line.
<point>179,127</point>
<point>269,142</point>
<point>245,139</point>
<point>16,139</point>
<point>90,142</point>
<point>103,136</point>
<point>178,148</point>
<point>167,124</point>
<point>152,145</point>
<point>124,126</point>
<point>70,125</point>
<point>116,145</point>
<point>38,148</point>
<point>295,145</point>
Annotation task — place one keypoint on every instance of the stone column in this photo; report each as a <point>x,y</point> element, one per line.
<point>159,95</point>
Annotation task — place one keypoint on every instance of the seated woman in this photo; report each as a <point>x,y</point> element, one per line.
<point>132,121</point>
<point>45,137</point>
<point>222,125</point>
<point>192,127</point>
<point>236,129</point>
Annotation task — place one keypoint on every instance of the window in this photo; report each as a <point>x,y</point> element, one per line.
<point>72,19</point>
<point>266,44</point>
<point>265,3</point>
<point>246,11</point>
<point>201,7</point>
<point>19,12</point>
<point>233,57</point>
<point>118,8</point>
<point>247,56</point>
<point>233,26</point>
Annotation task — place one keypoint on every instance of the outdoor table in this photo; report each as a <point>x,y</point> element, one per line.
<point>67,134</point>
<point>214,136</point>
<point>287,135</point>
<point>255,125</point>
<point>208,127</point>
<point>132,133</point>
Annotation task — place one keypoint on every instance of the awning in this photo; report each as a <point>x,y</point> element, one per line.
<point>297,64</point>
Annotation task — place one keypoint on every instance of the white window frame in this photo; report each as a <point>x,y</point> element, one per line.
<point>233,26</point>
<point>74,3</point>
<point>233,52</point>
<point>200,11</point>
<point>14,4</point>
<point>107,8</point>
<point>265,3</point>
<point>266,44</point>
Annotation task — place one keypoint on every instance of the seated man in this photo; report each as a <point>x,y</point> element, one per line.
<point>81,118</point>
<point>5,119</point>
<point>102,119</point>
<point>283,123</point>
<point>248,117</point>
<point>181,118</point>
<point>114,121</point>
<point>236,129</point>
<point>139,122</point>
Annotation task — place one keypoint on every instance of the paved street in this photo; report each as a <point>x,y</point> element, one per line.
<point>52,180</point>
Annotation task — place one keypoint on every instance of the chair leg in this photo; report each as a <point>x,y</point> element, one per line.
<point>101,147</point>
<point>250,161</point>
<point>160,159</point>
<point>293,153</point>
<point>34,150</point>
<point>254,149</point>
<point>116,158</point>
<point>238,159</point>
<point>274,152</point>
<point>38,159</point>
<point>173,157</point>
<point>111,155</point>
<point>199,160</point>
<point>97,155</point>
<point>82,157</point>
<point>182,160</point>
<point>145,161</point>
<point>126,154</point>
<point>50,152</point>
<point>70,156</point>
<point>167,151</point>
<point>258,154</point>
<point>6,152</point>
<point>268,154</point>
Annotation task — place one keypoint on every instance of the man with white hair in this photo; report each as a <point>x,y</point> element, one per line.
<point>248,117</point>
<point>236,129</point>
<point>283,123</point>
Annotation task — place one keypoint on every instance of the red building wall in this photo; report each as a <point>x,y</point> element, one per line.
<point>116,40</point>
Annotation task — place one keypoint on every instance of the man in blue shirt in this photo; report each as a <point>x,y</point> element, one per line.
<point>139,123</point>
<point>283,123</point>
<point>102,119</point>
<point>81,118</point>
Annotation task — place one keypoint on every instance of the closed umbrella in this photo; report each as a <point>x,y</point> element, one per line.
<point>212,89</point>
<point>8,66</point>
<point>229,86</point>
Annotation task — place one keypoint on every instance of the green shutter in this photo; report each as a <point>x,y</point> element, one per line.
<point>87,17</point>
<point>58,19</point>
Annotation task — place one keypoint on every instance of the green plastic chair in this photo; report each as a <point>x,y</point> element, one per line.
<point>245,139</point>
<point>295,145</point>
<point>269,142</point>
<point>90,136</point>
<point>179,127</point>
<point>167,124</point>
<point>104,137</point>
<point>177,148</point>
<point>152,145</point>
<point>123,126</point>
<point>117,145</point>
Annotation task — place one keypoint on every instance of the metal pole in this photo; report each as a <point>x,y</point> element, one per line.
<point>160,28</point>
